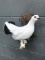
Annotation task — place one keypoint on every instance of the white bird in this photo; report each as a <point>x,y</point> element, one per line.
<point>21,33</point>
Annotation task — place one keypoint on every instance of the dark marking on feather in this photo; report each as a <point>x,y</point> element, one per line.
<point>6,30</point>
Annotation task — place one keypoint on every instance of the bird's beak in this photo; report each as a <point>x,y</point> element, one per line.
<point>39,18</point>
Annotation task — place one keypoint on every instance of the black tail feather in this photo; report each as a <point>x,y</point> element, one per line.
<point>6,30</point>
<point>11,22</point>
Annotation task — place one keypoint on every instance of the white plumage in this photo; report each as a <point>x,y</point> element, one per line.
<point>24,32</point>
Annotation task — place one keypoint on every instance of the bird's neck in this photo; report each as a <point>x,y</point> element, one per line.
<point>31,22</point>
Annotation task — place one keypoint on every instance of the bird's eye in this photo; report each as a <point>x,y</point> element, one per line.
<point>34,16</point>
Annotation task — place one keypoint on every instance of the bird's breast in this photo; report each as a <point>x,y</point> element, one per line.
<point>30,31</point>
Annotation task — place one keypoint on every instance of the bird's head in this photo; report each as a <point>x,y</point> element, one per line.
<point>35,17</point>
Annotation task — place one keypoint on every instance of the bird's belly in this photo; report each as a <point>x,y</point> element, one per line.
<point>29,34</point>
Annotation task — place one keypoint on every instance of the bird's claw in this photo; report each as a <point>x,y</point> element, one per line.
<point>22,46</point>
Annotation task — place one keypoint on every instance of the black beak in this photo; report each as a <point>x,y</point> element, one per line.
<point>38,18</point>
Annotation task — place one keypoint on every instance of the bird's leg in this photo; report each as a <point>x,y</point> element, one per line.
<point>22,44</point>
<point>25,41</point>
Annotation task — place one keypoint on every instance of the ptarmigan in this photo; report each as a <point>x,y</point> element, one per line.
<point>21,33</point>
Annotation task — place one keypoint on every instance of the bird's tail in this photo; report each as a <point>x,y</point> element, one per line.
<point>6,25</point>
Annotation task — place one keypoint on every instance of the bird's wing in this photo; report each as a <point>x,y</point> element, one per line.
<point>19,34</point>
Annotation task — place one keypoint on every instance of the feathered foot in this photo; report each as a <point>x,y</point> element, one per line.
<point>25,41</point>
<point>22,45</point>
